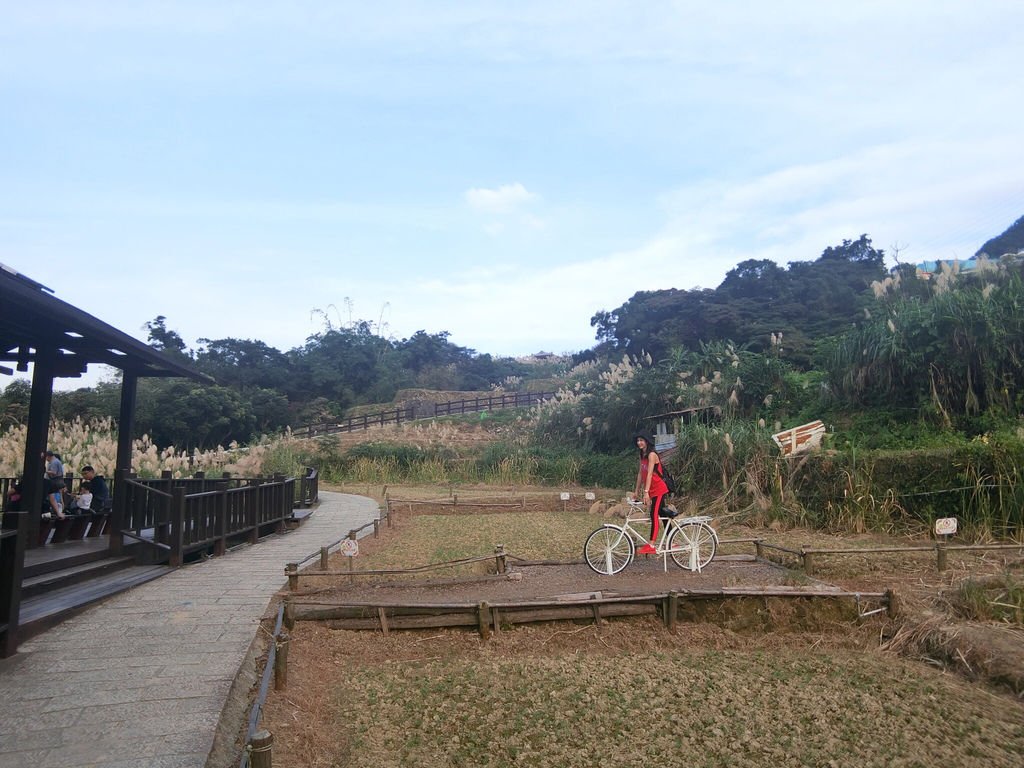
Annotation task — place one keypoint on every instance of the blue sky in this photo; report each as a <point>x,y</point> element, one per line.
<point>498,170</point>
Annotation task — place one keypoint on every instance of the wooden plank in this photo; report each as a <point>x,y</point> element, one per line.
<point>36,585</point>
<point>44,610</point>
<point>797,439</point>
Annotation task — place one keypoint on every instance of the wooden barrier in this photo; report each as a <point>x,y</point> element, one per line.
<point>409,413</point>
<point>487,617</point>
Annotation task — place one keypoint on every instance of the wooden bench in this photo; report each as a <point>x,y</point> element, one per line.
<point>799,439</point>
<point>98,524</point>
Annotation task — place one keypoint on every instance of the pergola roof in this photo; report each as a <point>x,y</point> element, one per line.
<point>32,319</point>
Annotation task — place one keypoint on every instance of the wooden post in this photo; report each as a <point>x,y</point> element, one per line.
<point>940,556</point>
<point>177,524</point>
<point>758,552</point>
<point>808,559</point>
<point>387,509</point>
<point>673,609</point>
<point>891,604</point>
<point>289,615</point>
<point>292,569</point>
<point>261,750</point>
<point>383,620</point>
<point>499,558</point>
<point>376,528</point>
<point>484,620</point>
<point>12,561</point>
<point>281,662</point>
<point>323,558</point>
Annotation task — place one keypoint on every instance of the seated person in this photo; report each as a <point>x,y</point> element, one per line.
<point>54,500</point>
<point>100,492</point>
<point>82,503</point>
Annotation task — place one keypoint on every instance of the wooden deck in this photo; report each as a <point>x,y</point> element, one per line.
<point>59,580</point>
<point>54,557</point>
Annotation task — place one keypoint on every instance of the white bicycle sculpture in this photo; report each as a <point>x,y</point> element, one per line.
<point>689,541</point>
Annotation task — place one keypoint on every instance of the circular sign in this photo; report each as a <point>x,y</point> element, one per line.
<point>350,547</point>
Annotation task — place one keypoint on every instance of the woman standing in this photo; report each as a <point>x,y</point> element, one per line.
<point>649,482</point>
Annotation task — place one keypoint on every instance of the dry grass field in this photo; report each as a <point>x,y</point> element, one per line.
<point>785,692</point>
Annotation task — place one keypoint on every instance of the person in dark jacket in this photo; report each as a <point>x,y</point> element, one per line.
<point>100,492</point>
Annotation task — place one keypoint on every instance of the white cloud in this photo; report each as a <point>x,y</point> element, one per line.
<point>506,199</point>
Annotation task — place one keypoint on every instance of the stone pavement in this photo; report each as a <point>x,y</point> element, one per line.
<point>141,679</point>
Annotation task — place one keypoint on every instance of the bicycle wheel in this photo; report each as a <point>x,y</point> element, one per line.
<point>608,550</point>
<point>693,546</point>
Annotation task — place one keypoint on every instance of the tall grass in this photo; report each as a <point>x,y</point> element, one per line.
<point>95,443</point>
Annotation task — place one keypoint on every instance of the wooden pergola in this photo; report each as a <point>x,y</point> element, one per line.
<point>61,341</point>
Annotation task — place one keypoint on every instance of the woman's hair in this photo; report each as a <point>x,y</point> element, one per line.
<point>647,439</point>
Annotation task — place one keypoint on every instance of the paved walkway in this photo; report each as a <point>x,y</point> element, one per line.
<point>141,679</point>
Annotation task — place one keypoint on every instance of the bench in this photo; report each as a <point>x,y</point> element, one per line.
<point>799,439</point>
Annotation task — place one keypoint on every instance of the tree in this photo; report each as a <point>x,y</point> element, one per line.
<point>164,339</point>
<point>14,403</point>
<point>187,414</point>
<point>244,363</point>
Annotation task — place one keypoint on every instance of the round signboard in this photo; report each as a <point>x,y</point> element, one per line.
<point>350,547</point>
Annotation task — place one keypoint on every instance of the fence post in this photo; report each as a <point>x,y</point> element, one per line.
<point>323,558</point>
<point>220,522</point>
<point>387,511</point>
<point>119,501</point>
<point>281,662</point>
<point>940,557</point>
<point>176,521</point>
<point>261,750</point>
<point>351,560</point>
<point>892,605</point>
<point>808,559</point>
<point>484,620</point>
<point>284,505</point>
<point>499,558</point>
<point>376,528</point>
<point>673,609</point>
<point>292,569</point>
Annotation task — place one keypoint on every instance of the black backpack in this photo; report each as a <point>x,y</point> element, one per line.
<point>667,478</point>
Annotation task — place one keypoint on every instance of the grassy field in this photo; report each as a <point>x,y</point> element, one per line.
<point>629,693</point>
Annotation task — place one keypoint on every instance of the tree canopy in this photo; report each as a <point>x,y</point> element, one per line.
<point>757,298</point>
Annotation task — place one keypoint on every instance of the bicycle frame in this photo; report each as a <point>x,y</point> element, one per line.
<point>690,541</point>
<point>670,525</point>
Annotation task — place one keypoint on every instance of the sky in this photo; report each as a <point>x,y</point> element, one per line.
<point>498,170</point>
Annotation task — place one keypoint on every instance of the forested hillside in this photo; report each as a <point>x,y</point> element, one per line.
<point>807,301</point>
<point>840,327</point>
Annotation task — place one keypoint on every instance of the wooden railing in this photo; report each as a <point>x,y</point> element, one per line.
<point>356,423</point>
<point>491,403</point>
<point>309,488</point>
<point>425,411</point>
<point>180,516</point>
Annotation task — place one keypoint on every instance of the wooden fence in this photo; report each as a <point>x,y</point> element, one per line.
<point>425,411</point>
<point>490,617</point>
<point>179,516</point>
<point>491,403</point>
